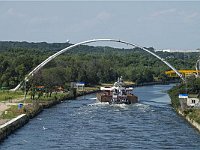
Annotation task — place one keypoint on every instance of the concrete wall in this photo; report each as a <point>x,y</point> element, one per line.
<point>10,126</point>
<point>192,122</point>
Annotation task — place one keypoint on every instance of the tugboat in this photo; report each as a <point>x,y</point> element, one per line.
<point>117,94</point>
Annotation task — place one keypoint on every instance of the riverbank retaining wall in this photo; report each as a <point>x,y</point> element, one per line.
<point>192,122</point>
<point>180,112</point>
<point>10,126</point>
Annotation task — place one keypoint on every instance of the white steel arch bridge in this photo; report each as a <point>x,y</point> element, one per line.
<point>41,65</point>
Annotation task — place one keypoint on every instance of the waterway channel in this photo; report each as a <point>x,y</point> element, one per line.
<point>87,124</point>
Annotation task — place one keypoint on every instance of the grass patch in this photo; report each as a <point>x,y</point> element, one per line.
<point>12,112</point>
<point>88,89</point>
<point>54,96</point>
<point>194,114</point>
<point>9,95</point>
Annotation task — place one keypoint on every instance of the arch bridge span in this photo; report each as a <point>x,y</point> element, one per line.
<point>36,69</point>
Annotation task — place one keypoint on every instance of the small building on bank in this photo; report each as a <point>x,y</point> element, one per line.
<point>193,100</point>
<point>78,85</point>
<point>189,100</point>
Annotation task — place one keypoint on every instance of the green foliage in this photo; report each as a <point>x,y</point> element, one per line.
<point>193,85</point>
<point>9,95</point>
<point>194,114</point>
<point>12,112</point>
<point>90,64</point>
<point>173,93</point>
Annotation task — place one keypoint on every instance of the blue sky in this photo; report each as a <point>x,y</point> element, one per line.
<point>163,25</point>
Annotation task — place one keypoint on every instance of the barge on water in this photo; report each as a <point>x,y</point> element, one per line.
<point>117,94</point>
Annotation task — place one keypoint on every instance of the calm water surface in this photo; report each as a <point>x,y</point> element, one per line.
<point>86,124</point>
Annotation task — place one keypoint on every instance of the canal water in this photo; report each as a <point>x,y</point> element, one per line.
<point>86,124</point>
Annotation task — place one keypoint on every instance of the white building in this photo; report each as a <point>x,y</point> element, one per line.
<point>192,102</point>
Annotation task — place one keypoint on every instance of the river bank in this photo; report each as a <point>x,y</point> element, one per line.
<point>191,115</point>
<point>191,121</point>
<point>155,83</point>
<point>188,116</point>
<point>29,111</point>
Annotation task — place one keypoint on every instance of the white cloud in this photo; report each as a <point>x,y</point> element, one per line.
<point>193,15</point>
<point>163,12</point>
<point>189,17</point>
<point>173,14</point>
<point>14,13</point>
<point>103,16</point>
<point>43,20</point>
<point>99,19</point>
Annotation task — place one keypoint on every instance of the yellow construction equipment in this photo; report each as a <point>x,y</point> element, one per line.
<point>185,73</point>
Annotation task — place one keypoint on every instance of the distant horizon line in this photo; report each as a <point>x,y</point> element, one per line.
<point>68,41</point>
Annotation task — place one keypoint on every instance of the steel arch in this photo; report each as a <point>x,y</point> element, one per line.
<point>36,69</point>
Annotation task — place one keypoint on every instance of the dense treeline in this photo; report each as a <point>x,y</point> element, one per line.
<point>90,64</point>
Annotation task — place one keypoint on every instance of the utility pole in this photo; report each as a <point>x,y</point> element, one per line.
<point>197,66</point>
<point>25,80</point>
<point>186,85</point>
